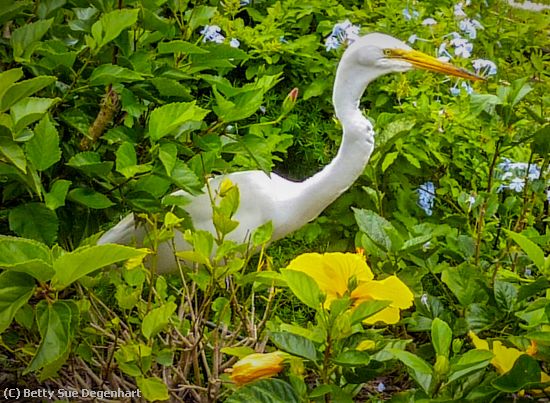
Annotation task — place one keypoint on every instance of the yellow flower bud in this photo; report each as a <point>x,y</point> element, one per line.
<point>256,366</point>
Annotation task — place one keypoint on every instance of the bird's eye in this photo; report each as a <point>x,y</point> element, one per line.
<point>387,52</point>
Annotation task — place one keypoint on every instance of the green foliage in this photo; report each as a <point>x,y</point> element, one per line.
<point>107,107</point>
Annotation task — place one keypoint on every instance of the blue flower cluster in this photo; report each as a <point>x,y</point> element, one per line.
<point>212,33</point>
<point>342,33</point>
<point>514,175</point>
<point>426,197</point>
<point>456,44</point>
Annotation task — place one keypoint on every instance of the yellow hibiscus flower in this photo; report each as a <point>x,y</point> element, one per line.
<point>335,273</point>
<point>505,357</point>
<point>256,366</point>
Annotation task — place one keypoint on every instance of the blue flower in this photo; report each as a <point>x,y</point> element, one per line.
<point>424,299</point>
<point>515,174</point>
<point>407,14</point>
<point>470,27</point>
<point>463,48</point>
<point>429,22</point>
<point>467,87</point>
<point>442,52</point>
<point>458,11</point>
<point>484,67</point>
<point>212,34</point>
<point>343,32</point>
<point>426,196</point>
<point>234,43</point>
<point>381,387</point>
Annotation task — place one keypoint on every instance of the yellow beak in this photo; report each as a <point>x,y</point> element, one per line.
<point>423,61</point>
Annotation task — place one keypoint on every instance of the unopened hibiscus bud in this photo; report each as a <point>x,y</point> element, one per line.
<point>256,366</point>
<point>290,101</point>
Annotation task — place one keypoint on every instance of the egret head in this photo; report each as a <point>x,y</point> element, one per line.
<point>380,54</point>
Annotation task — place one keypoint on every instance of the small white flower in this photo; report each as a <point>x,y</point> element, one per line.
<point>262,109</point>
<point>455,91</point>
<point>517,184</point>
<point>470,27</point>
<point>458,11</point>
<point>407,14</point>
<point>424,299</point>
<point>471,200</point>
<point>234,43</point>
<point>429,22</point>
<point>412,39</point>
<point>485,67</point>
<point>467,87</point>
<point>528,273</point>
<point>212,33</point>
<point>381,387</point>
<point>332,43</point>
<point>245,3</point>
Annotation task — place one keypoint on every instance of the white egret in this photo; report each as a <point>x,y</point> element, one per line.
<point>290,205</point>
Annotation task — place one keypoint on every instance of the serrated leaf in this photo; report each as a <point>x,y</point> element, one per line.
<point>13,152</point>
<point>110,74</point>
<point>35,221</point>
<point>90,163</point>
<point>58,192</point>
<point>90,198</point>
<point>18,91</point>
<point>24,39</point>
<point>26,256</point>
<point>111,25</point>
<point>29,110</point>
<point>166,119</point>
<point>168,154</point>
<point>71,266</point>
<point>15,290</point>
<point>43,148</point>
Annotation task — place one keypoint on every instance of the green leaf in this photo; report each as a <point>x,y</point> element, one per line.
<point>180,47</point>
<point>111,25</point>
<point>471,361</point>
<point>262,235</point>
<point>126,161</point>
<point>352,358</point>
<point>43,149</point>
<point>541,337</point>
<point>532,250</point>
<point>24,39</point>
<point>7,79</point>
<point>466,283</point>
<point>505,295</point>
<point>377,228</point>
<point>483,102</point>
<point>71,266</point>
<point>58,192</point>
<point>110,74</point>
<point>35,221</point>
<point>157,319</point>
<point>18,91</point>
<point>29,110</point>
<point>166,119</point>
<point>442,336</point>
<point>519,89</point>
<point>303,287</point>
<point>153,388</point>
<point>15,291</point>
<point>243,106</point>
<point>367,309</point>
<point>90,198</point>
<point>26,256</point>
<point>13,152</point>
<point>295,344</point>
<point>54,324</point>
<point>265,391</point>
<point>526,370</point>
<point>419,369</point>
<point>90,163</point>
<point>168,154</point>
<point>388,160</point>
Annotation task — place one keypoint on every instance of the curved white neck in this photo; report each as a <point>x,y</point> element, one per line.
<point>323,188</point>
